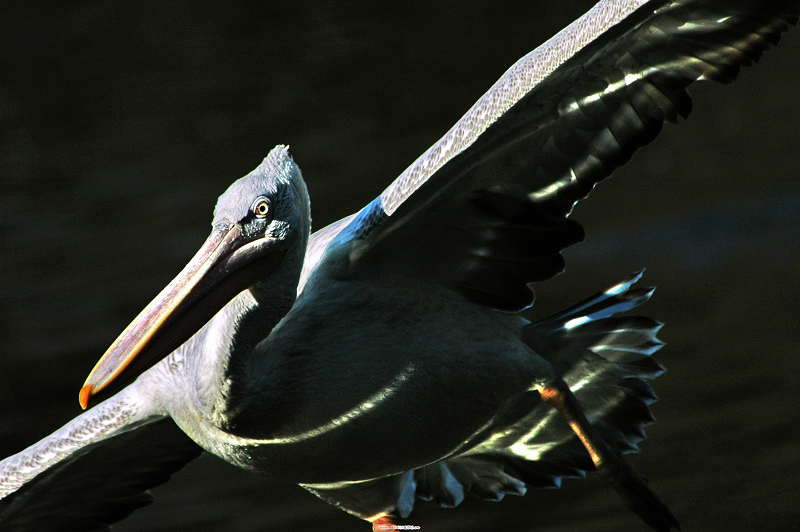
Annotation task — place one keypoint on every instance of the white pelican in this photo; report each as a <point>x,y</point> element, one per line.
<point>399,318</point>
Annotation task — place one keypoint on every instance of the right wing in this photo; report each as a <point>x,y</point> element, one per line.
<point>484,210</point>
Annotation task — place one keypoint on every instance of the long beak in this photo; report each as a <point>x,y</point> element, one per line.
<point>213,277</point>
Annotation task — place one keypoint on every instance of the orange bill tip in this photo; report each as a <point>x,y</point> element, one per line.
<point>86,393</point>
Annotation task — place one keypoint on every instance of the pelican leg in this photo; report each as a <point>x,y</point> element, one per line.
<point>382,523</point>
<point>631,486</point>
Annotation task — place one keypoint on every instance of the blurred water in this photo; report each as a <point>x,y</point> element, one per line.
<point>120,123</point>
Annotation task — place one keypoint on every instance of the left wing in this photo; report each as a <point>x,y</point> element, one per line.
<point>94,471</point>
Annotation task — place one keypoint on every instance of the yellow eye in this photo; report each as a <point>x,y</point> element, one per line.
<point>262,208</point>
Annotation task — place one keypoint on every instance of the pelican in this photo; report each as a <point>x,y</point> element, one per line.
<point>295,354</point>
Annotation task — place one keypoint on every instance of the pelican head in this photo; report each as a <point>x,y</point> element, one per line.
<point>256,222</point>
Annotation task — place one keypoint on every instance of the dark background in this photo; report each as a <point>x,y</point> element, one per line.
<point>121,122</point>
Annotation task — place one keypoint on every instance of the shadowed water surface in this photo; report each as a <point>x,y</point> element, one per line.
<point>120,124</point>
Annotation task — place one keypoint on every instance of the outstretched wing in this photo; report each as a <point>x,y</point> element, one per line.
<point>484,210</point>
<point>94,471</point>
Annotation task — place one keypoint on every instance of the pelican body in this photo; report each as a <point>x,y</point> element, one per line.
<point>382,359</point>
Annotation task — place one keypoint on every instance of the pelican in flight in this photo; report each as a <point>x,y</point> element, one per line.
<point>296,355</point>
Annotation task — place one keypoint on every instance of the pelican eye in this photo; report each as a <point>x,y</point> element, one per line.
<point>261,208</point>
